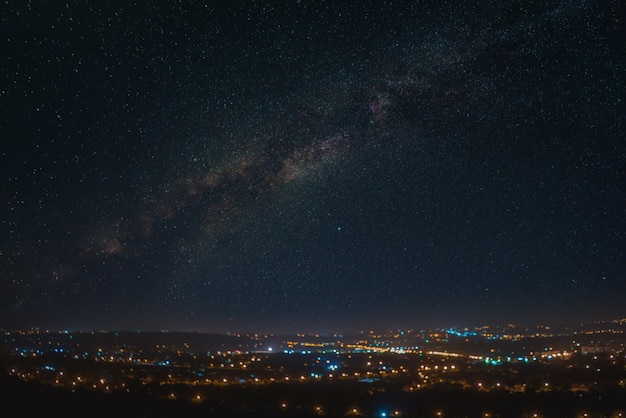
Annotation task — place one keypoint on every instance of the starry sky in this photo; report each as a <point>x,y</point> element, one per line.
<point>312,166</point>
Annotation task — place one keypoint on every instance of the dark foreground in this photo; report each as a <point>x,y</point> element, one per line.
<point>28,399</point>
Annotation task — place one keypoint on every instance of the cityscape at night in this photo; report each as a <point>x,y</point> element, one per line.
<point>373,208</point>
<point>484,371</point>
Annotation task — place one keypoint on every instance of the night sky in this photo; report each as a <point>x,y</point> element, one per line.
<point>311,166</point>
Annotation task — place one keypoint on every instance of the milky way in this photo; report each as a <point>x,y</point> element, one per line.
<point>310,165</point>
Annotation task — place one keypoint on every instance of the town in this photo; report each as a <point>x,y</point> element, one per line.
<point>487,370</point>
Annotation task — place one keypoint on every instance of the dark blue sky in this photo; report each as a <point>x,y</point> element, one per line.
<point>311,166</point>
